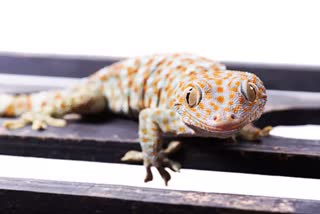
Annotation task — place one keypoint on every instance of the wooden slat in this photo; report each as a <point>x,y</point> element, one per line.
<point>34,196</point>
<point>280,77</point>
<point>34,185</point>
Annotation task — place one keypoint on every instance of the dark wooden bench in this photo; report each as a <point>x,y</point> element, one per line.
<point>105,138</point>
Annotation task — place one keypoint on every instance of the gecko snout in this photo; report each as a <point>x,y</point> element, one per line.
<point>231,117</point>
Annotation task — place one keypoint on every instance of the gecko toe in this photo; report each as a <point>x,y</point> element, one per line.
<point>173,165</point>
<point>164,174</point>
<point>265,131</point>
<point>149,176</point>
<point>133,156</point>
<point>173,147</point>
<point>14,124</point>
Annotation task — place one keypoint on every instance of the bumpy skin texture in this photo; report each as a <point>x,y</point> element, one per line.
<point>181,94</point>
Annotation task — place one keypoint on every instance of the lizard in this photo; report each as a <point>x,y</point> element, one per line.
<point>179,94</point>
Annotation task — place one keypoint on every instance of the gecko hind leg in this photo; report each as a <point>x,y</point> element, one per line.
<point>39,121</point>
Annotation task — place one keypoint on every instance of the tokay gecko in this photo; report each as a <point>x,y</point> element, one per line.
<point>177,94</point>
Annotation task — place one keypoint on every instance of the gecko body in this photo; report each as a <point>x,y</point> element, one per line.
<point>180,94</point>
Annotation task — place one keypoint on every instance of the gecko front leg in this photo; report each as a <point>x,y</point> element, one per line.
<point>253,133</point>
<point>152,123</point>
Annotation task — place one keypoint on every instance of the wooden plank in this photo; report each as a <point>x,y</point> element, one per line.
<point>63,197</point>
<point>302,78</point>
<point>32,184</point>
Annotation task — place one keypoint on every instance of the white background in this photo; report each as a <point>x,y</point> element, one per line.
<point>249,31</point>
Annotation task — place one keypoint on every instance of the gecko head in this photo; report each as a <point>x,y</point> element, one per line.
<point>222,104</point>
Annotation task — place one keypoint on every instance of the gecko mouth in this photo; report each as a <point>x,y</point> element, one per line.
<point>228,126</point>
<point>225,127</point>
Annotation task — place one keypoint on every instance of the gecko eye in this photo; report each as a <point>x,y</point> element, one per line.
<point>249,91</point>
<point>192,96</point>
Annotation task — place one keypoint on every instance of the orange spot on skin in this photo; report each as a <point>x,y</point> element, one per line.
<point>220,89</point>
<point>232,96</point>
<point>20,105</point>
<point>29,105</point>
<point>208,112</point>
<point>135,89</point>
<point>236,109</point>
<point>149,62</point>
<point>201,106</point>
<point>237,83</point>
<point>131,71</point>
<point>214,106</point>
<point>43,104</point>
<point>158,112</point>
<point>9,111</point>
<point>208,96</point>
<point>172,114</point>
<point>180,100</point>
<point>226,109</point>
<point>171,103</point>
<point>192,78</point>
<point>182,68</point>
<point>220,99</point>
<point>201,84</point>
<point>216,73</point>
<point>167,127</point>
<point>149,102</point>
<point>62,105</point>
<point>144,116</point>
<point>57,96</point>
<point>241,100</point>
<point>206,76</point>
<point>162,102</point>
<point>181,129</point>
<point>145,140</point>
<point>230,103</point>
<point>218,82</point>
<point>144,131</point>
<point>165,121</point>
<point>198,115</point>
<point>154,129</point>
<point>169,93</point>
<point>103,77</point>
<point>254,79</point>
<point>193,109</point>
<point>233,89</point>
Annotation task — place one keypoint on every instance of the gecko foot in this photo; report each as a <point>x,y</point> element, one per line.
<point>252,133</point>
<point>161,163</point>
<point>137,157</point>
<point>39,121</point>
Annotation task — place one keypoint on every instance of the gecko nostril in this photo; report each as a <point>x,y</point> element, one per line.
<point>232,116</point>
<point>215,118</point>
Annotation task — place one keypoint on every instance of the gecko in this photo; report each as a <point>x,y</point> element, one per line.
<point>177,94</point>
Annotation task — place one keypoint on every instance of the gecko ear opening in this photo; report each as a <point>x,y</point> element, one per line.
<point>192,96</point>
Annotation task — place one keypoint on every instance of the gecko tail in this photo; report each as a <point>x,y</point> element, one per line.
<point>14,105</point>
